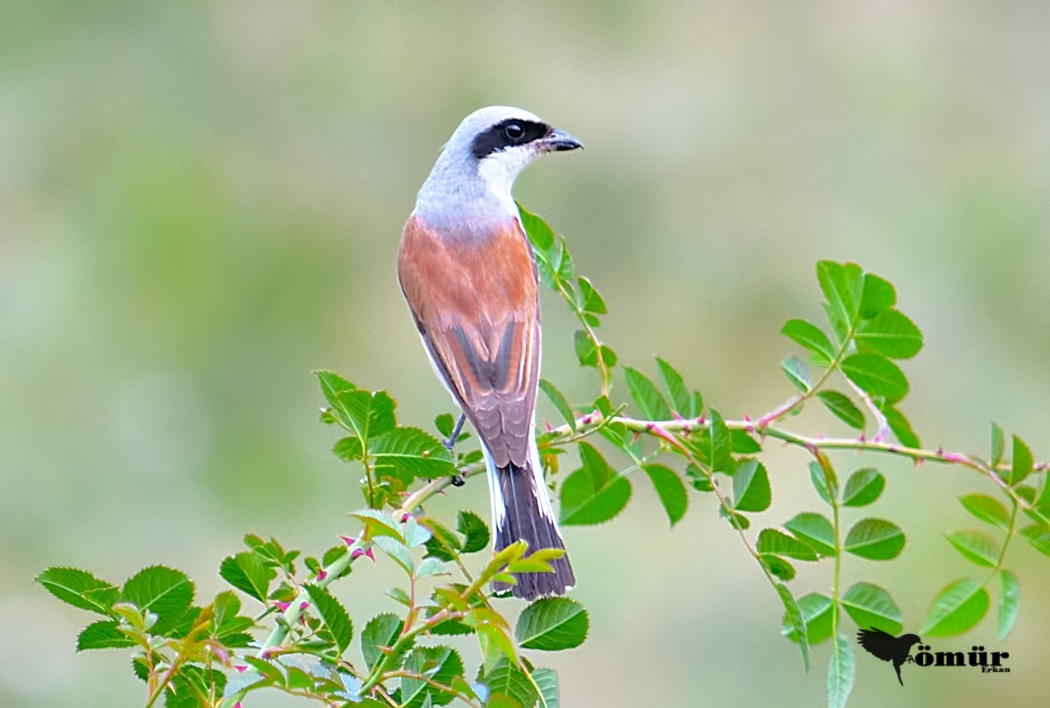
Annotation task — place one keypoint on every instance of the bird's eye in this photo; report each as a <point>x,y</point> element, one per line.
<point>514,131</point>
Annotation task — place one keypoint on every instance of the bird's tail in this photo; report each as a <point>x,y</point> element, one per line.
<point>521,511</point>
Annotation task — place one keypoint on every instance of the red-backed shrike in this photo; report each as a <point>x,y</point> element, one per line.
<point>469,275</point>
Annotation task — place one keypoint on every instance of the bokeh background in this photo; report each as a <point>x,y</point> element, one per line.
<point>200,204</point>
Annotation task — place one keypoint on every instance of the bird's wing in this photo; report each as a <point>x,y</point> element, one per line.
<point>878,643</point>
<point>475,303</point>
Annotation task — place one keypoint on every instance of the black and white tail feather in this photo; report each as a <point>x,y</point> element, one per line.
<point>521,510</point>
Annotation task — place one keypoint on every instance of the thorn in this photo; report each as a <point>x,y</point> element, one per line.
<point>303,605</point>
<point>241,668</point>
<point>321,574</point>
<point>549,428</point>
<point>918,462</point>
<point>348,541</point>
<point>862,438</point>
<point>405,517</point>
<point>282,606</point>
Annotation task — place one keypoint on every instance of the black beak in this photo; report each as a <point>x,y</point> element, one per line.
<point>559,140</point>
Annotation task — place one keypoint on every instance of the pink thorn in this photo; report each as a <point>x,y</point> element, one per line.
<point>405,517</point>
<point>241,668</point>
<point>357,553</point>
<point>747,418</point>
<point>549,428</point>
<point>266,654</point>
<point>282,606</point>
<point>918,462</point>
<point>321,574</point>
<point>862,437</point>
<point>348,541</point>
<point>676,416</point>
<point>303,605</point>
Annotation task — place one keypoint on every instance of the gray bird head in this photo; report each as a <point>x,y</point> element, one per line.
<point>479,163</point>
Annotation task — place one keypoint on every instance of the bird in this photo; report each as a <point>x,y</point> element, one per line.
<point>888,647</point>
<point>468,273</point>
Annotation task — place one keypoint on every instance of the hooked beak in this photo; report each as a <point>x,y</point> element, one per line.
<point>558,141</point>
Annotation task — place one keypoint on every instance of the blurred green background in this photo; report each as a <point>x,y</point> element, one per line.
<point>200,203</point>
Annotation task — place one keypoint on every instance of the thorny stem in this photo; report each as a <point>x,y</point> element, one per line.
<point>594,420</point>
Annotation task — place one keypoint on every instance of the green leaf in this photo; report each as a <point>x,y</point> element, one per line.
<point>540,234</point>
<point>333,614</point>
<point>509,687</point>
<point>751,491</point>
<point>957,608</point>
<point>561,403</point>
<point>820,482</point>
<point>876,375</point>
<point>1038,537</point>
<point>863,487</point>
<point>377,523</point>
<point>475,532</point>
<point>741,443</point>
<point>875,539</point>
<point>582,506</point>
<point>842,408</point>
<point>411,452</point>
<point>80,589</point>
<point>590,299</point>
<point>166,592</point>
<point>986,509</point>
<point>713,446</point>
<point>900,425</point>
<point>381,631</point>
<point>794,616</point>
<point>1022,462</point>
<point>779,543</point>
<point>891,334</point>
<point>815,530</point>
<point>687,404</point>
<point>876,295</point>
<point>349,449</point>
<point>247,572</point>
<point>810,337</point>
<point>397,551</point>
<point>593,494</point>
<point>649,400</point>
<point>777,566</point>
<point>365,413</point>
<point>552,624</point>
<point>998,444</point>
<point>103,635</point>
<point>429,567</point>
<point>842,285</point>
<point>547,681</point>
<point>440,664</point>
<point>817,612</point>
<point>797,372</point>
<point>871,606</point>
<point>976,547</point>
<point>670,488</point>
<point>445,424</point>
<point>1009,598</point>
<point>841,671</point>
<point>586,351</point>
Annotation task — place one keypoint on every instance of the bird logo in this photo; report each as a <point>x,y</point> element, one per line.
<point>887,647</point>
